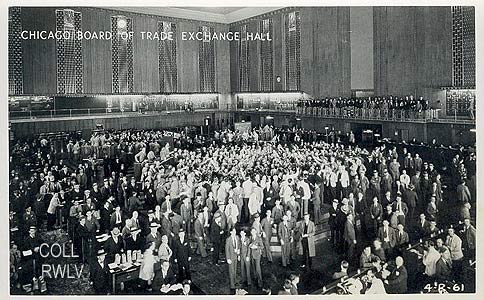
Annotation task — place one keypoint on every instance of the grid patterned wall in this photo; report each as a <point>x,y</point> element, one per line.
<point>460,102</point>
<point>292,32</point>
<point>167,59</point>
<point>266,56</point>
<point>69,52</point>
<point>206,61</point>
<point>243,60</point>
<point>463,47</point>
<point>122,54</point>
<point>15,62</point>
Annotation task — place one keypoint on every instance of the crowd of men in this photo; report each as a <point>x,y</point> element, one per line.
<point>390,102</point>
<point>225,199</point>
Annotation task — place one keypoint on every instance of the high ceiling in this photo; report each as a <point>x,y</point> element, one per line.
<point>209,9</point>
<point>219,14</point>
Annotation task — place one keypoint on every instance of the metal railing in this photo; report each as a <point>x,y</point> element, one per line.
<point>92,112</point>
<point>369,114</point>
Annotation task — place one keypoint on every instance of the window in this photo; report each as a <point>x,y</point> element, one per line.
<point>206,61</point>
<point>167,58</point>
<point>243,60</point>
<point>293,50</point>
<point>15,76</point>
<point>122,54</point>
<point>69,52</point>
<point>266,56</point>
<point>463,47</point>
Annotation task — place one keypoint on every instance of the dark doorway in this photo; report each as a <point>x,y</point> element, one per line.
<point>366,133</point>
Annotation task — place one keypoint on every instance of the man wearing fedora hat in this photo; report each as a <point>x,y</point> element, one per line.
<point>154,236</point>
<point>200,234</point>
<point>181,254</point>
<point>216,233</point>
<point>99,273</point>
<point>134,241</point>
<point>114,244</point>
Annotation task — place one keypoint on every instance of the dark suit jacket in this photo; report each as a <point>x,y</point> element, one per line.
<point>215,235</point>
<point>199,230</point>
<point>401,240</point>
<point>391,236</point>
<point>410,197</point>
<point>112,220</point>
<point>349,233</point>
<point>99,277</point>
<point>397,281</point>
<point>424,230</point>
<point>131,244</point>
<point>230,249</point>
<point>257,252</point>
<point>159,280</point>
<point>156,240</point>
<point>443,270</point>
<point>181,251</point>
<point>113,248</point>
<point>470,237</point>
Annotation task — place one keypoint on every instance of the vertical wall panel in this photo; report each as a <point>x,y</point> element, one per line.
<point>39,68</point>
<point>254,58</point>
<point>222,61</point>
<point>188,60</point>
<point>97,53</point>
<point>412,49</point>
<point>145,56</point>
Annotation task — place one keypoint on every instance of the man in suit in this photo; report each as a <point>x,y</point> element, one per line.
<point>216,233</point>
<point>154,236</point>
<point>333,211</point>
<point>454,243</point>
<point>200,235</point>
<point>232,252</point>
<point>284,235</point>
<point>401,209</point>
<point>443,267</point>
<point>92,224</point>
<point>397,280</point>
<point>164,278</point>
<point>256,245</point>
<point>465,211</point>
<point>186,212</point>
<point>410,197</point>
<point>423,226</point>
<point>401,237</point>
<point>266,226</point>
<point>349,237</point>
<point>134,241</point>
<point>181,253</point>
<point>463,193</point>
<point>99,274</point>
<point>245,258</point>
<point>386,234</point>
<point>307,241</point>
<point>317,200</point>
<point>117,218</point>
<point>368,259</point>
<point>469,234</point>
<point>376,214</point>
<point>113,245</point>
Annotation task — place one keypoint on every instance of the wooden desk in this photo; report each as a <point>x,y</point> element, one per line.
<point>122,276</point>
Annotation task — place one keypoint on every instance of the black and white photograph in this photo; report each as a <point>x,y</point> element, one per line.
<point>241,150</point>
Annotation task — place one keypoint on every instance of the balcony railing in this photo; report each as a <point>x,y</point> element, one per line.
<point>99,112</point>
<point>370,114</point>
